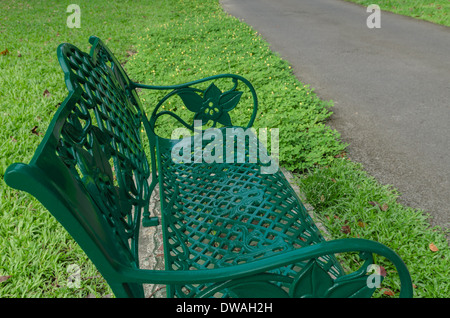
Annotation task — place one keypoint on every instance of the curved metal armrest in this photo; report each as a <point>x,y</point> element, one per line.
<point>209,104</point>
<point>266,264</point>
<point>187,84</point>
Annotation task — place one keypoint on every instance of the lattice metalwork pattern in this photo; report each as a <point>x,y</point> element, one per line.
<point>221,214</point>
<point>100,140</point>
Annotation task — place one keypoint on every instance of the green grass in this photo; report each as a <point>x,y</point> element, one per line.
<point>168,42</point>
<point>350,203</point>
<point>34,249</point>
<point>436,11</point>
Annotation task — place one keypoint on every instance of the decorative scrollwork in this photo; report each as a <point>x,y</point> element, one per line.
<point>214,105</point>
<point>235,200</point>
<point>311,282</point>
<point>210,104</point>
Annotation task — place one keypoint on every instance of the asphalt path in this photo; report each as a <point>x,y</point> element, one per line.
<point>390,87</point>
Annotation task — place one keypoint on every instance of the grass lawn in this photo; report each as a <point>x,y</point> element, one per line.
<point>350,203</point>
<point>436,11</point>
<point>168,42</point>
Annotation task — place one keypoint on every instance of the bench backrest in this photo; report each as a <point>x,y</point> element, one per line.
<point>90,170</point>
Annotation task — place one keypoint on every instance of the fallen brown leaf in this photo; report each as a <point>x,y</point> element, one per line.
<point>433,247</point>
<point>383,271</point>
<point>383,207</point>
<point>346,229</point>
<point>4,278</point>
<point>4,52</point>
<point>46,93</point>
<point>388,292</point>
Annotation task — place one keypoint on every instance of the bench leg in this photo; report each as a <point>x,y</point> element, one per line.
<point>148,220</point>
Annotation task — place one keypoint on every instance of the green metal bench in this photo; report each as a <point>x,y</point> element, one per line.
<point>229,230</point>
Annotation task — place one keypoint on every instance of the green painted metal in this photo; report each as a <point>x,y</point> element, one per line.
<point>229,230</point>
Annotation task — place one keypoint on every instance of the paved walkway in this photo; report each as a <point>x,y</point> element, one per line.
<point>390,86</point>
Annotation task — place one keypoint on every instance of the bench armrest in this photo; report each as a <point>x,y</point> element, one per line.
<point>187,84</point>
<point>208,104</point>
<point>263,265</point>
